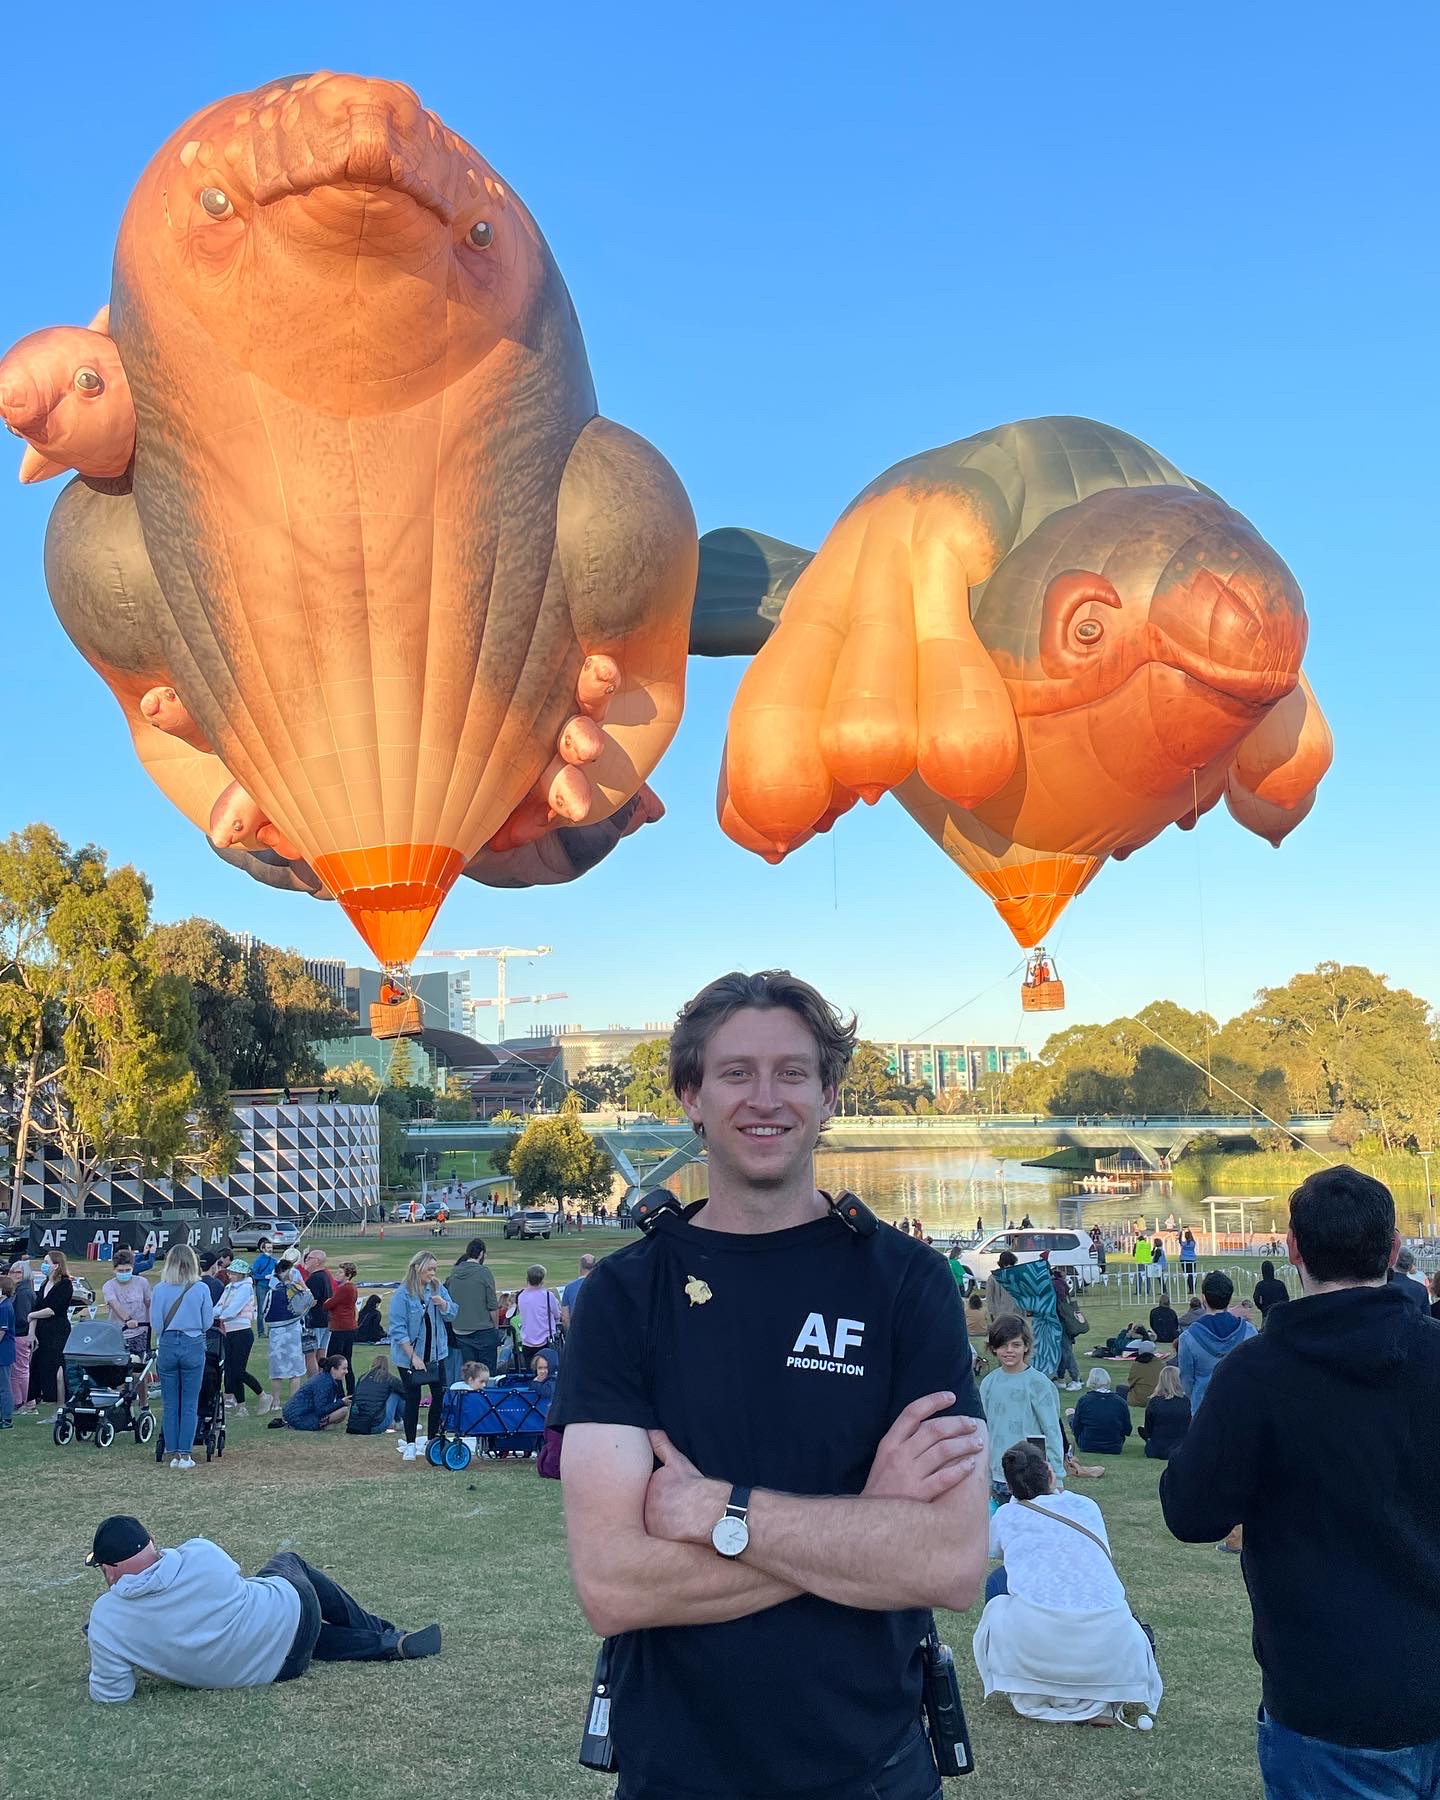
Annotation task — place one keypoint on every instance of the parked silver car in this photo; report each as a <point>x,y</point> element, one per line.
<point>531,1223</point>
<point>247,1237</point>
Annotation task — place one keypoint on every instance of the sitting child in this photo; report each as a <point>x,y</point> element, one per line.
<point>474,1379</point>
<point>541,1376</point>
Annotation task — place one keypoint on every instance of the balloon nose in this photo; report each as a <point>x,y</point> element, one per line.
<point>336,94</point>
<point>1260,639</point>
<point>20,403</point>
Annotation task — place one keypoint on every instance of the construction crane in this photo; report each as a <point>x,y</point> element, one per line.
<point>512,1000</point>
<point>501,955</point>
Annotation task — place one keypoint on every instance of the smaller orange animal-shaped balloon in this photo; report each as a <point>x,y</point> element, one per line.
<point>1045,639</point>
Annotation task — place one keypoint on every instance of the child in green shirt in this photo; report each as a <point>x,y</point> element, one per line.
<point>1019,1403</point>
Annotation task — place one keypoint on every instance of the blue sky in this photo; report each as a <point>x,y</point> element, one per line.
<point>805,241</point>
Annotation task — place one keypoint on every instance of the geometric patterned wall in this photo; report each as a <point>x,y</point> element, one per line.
<point>294,1160</point>
<point>307,1157</point>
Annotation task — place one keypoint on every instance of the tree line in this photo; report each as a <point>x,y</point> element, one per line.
<point>120,1038</point>
<point>1337,1039</point>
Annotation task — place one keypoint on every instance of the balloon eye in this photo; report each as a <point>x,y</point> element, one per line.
<point>1089,631</point>
<point>481,234</point>
<point>88,382</point>
<point>216,202</point>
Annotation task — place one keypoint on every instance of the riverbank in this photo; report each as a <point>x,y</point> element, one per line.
<point>1279,1172</point>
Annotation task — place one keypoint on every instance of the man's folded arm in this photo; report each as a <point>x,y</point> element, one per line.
<point>627,1580</point>
<point>879,1554</point>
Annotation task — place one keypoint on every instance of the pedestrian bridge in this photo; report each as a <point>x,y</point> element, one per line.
<point>661,1149</point>
<point>632,1145</point>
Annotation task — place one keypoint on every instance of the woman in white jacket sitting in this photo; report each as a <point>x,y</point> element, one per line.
<point>1057,1635</point>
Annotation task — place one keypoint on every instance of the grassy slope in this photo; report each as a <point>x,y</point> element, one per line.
<point>483,1551</point>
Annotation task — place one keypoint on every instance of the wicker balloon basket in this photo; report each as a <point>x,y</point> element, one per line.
<point>1042,990</point>
<point>1043,996</point>
<point>395,1018</point>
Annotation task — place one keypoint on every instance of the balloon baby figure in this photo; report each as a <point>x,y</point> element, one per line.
<point>1045,639</point>
<point>379,592</point>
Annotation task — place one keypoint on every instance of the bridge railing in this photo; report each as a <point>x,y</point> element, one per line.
<point>909,1122</point>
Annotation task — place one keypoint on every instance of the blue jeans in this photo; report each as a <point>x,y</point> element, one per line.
<point>996,1582</point>
<point>262,1295</point>
<point>7,1399</point>
<point>1298,1768</point>
<point>181,1366</point>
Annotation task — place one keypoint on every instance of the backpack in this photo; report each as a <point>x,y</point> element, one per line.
<point>1072,1321</point>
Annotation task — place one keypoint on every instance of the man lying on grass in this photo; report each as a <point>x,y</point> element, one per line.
<point>189,1616</point>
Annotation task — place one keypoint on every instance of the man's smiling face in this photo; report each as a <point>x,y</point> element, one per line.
<point>760,1102</point>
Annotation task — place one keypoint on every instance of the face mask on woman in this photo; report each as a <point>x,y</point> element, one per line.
<point>124,1274</point>
<point>47,1268</point>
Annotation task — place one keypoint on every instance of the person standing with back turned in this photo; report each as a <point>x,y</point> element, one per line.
<point>766,1587</point>
<point>475,1329</point>
<point>1318,1436</point>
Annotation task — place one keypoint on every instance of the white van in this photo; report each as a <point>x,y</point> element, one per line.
<point>1069,1250</point>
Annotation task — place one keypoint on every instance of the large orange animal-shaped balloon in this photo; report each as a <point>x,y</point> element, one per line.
<point>1045,639</point>
<point>379,593</point>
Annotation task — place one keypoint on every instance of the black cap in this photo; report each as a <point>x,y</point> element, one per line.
<point>117,1539</point>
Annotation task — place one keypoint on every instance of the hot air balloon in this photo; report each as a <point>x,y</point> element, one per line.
<point>1046,640</point>
<point>380,595</point>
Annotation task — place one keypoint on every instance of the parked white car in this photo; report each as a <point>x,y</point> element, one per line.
<point>1069,1250</point>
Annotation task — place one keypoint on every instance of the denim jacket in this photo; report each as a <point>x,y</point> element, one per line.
<point>407,1324</point>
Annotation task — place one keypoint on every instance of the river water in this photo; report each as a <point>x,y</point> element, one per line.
<point>947,1190</point>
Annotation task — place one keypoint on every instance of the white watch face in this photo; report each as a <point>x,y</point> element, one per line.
<point>730,1535</point>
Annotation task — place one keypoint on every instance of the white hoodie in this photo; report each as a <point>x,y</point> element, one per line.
<point>191,1618</point>
<point>236,1306</point>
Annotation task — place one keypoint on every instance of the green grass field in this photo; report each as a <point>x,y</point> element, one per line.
<point>498,1714</point>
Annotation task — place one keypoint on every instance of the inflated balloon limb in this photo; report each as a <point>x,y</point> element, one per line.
<point>384,600</point>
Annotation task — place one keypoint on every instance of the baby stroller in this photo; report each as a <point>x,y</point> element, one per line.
<point>210,1413</point>
<point>102,1387</point>
<point>508,1417</point>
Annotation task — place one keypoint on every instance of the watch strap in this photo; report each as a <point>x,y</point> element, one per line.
<point>739,1502</point>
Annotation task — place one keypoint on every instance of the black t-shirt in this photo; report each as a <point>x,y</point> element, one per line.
<point>322,1288</point>
<point>779,1361</point>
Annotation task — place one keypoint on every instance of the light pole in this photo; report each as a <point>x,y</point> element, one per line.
<point>1425,1156</point>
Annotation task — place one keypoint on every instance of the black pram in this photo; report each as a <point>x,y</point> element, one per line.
<point>103,1379</point>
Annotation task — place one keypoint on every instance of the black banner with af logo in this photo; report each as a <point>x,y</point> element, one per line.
<point>149,1237</point>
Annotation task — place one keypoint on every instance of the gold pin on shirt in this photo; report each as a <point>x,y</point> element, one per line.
<point>697,1292</point>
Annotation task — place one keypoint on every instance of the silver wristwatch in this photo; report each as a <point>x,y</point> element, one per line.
<point>731,1532</point>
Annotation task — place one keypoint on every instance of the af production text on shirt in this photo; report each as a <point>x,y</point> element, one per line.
<point>777,1360</point>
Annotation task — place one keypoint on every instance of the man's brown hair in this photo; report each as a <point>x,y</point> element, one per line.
<point>765,990</point>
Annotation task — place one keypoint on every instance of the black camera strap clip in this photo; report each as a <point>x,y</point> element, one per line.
<point>647,1210</point>
<point>854,1214</point>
